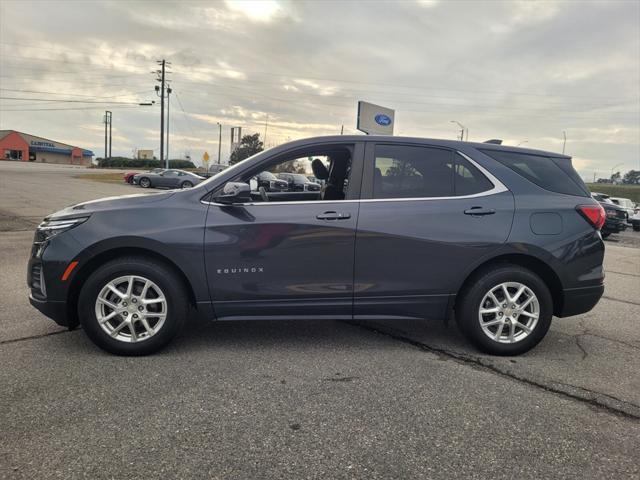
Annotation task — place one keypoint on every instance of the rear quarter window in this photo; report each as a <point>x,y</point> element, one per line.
<point>551,173</point>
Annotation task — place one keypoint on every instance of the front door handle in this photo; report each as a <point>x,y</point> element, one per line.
<point>333,216</point>
<point>479,211</point>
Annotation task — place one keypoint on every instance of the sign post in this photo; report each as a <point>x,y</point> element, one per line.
<point>375,119</point>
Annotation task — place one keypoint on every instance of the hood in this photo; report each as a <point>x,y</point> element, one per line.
<point>611,206</point>
<point>111,203</point>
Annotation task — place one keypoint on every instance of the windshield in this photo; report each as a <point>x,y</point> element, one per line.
<point>298,177</point>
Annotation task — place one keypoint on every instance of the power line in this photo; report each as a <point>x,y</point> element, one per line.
<point>334,80</point>
<point>72,94</point>
<point>59,109</point>
<point>59,100</point>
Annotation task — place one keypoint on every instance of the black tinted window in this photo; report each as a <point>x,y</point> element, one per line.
<point>412,172</point>
<point>468,180</point>
<point>555,174</point>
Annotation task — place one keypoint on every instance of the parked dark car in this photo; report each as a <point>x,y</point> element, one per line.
<point>296,182</point>
<point>167,178</point>
<point>500,238</point>
<point>616,217</point>
<point>270,182</point>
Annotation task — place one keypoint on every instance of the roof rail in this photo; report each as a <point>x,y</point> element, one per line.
<point>494,141</point>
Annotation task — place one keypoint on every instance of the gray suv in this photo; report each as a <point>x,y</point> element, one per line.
<point>499,238</point>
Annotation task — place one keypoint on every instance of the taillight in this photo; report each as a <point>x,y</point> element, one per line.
<point>594,214</point>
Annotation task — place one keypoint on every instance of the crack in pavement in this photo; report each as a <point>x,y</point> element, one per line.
<point>33,337</point>
<point>615,406</point>
<point>623,301</point>
<point>623,273</point>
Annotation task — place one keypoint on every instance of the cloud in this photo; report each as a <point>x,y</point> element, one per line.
<point>512,70</point>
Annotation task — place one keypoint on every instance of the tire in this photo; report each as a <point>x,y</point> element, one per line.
<point>476,295</point>
<point>144,182</point>
<point>161,282</point>
<point>636,227</point>
<point>186,184</point>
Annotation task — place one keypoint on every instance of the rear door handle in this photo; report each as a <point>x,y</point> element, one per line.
<point>479,211</point>
<point>333,216</point>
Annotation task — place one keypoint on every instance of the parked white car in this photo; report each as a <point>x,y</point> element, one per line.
<point>625,203</point>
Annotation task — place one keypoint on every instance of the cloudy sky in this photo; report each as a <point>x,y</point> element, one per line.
<point>520,71</point>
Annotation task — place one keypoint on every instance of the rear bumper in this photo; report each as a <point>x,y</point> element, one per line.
<point>580,300</point>
<point>57,311</point>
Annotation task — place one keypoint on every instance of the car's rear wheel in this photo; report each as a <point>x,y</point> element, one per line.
<point>132,306</point>
<point>145,182</point>
<point>186,184</point>
<point>506,310</point>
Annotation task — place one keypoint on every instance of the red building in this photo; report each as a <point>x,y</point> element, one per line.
<point>23,147</point>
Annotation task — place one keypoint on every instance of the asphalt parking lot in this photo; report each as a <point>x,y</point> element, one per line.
<point>309,399</point>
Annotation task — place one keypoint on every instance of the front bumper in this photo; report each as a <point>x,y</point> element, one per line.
<point>580,300</point>
<point>57,311</point>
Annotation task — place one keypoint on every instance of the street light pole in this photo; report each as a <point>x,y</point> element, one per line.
<point>564,142</point>
<point>219,140</point>
<point>462,129</point>
<point>613,168</point>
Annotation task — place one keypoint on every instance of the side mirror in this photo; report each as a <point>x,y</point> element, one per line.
<point>235,192</point>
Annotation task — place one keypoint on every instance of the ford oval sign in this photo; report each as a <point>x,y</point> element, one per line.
<point>382,119</point>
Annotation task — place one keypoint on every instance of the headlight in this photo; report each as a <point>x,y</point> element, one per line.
<point>50,228</point>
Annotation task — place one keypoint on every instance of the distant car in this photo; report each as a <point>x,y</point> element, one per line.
<point>625,203</point>
<point>615,216</point>
<point>299,183</point>
<point>128,177</point>
<point>635,222</point>
<point>270,182</point>
<point>167,178</point>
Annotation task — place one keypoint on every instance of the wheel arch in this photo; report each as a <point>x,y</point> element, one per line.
<point>90,265</point>
<point>536,265</point>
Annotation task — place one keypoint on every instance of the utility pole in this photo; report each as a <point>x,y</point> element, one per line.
<point>219,140</point>
<point>168,105</point>
<point>564,143</point>
<point>342,130</point>
<point>161,88</point>
<point>110,138</point>
<point>107,134</point>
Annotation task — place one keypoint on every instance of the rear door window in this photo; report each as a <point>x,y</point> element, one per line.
<point>403,171</point>
<point>550,173</point>
<point>468,180</point>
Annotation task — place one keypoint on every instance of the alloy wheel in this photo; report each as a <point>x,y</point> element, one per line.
<point>509,312</point>
<point>131,308</point>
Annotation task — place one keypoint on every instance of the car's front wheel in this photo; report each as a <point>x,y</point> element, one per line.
<point>145,182</point>
<point>132,306</point>
<point>186,184</point>
<point>505,310</point>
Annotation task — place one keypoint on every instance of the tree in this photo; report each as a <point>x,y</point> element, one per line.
<point>632,177</point>
<point>615,178</point>
<point>249,145</point>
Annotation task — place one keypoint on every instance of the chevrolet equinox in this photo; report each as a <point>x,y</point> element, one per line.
<point>499,238</point>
